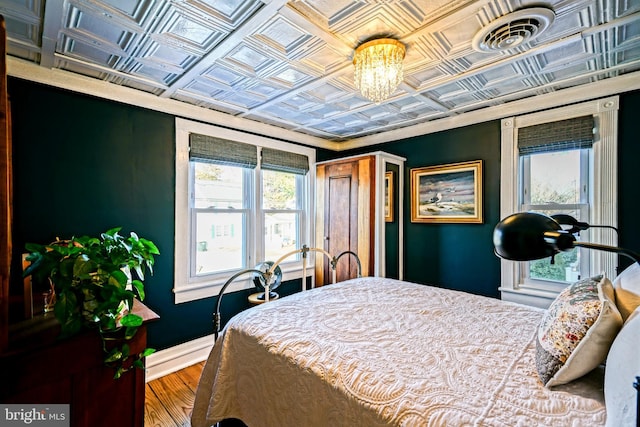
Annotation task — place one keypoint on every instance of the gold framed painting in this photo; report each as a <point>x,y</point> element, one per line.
<point>447,193</point>
<point>388,196</point>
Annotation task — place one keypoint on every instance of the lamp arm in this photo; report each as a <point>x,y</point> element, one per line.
<point>611,227</point>
<point>564,241</point>
<point>633,255</point>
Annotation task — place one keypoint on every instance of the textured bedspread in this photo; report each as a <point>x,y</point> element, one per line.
<point>374,351</point>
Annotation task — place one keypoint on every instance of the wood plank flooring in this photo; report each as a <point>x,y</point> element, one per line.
<point>169,399</point>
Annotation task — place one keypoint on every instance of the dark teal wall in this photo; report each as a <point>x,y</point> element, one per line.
<point>461,256</point>
<point>629,174</point>
<point>83,165</point>
<point>392,230</point>
<point>456,256</point>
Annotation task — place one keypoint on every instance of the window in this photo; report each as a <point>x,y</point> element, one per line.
<point>220,216</point>
<point>555,179</point>
<point>282,212</point>
<point>553,162</point>
<point>230,185</point>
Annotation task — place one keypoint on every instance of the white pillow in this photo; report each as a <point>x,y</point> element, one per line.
<point>627,290</point>
<point>623,365</point>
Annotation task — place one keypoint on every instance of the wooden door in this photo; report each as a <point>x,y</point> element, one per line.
<point>344,220</point>
<point>341,215</point>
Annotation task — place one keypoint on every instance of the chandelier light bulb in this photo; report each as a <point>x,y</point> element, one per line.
<point>378,68</point>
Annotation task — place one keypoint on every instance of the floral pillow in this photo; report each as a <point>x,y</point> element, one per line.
<point>577,330</point>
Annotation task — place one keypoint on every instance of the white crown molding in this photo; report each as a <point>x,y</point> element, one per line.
<point>102,89</point>
<point>599,89</point>
<point>89,86</point>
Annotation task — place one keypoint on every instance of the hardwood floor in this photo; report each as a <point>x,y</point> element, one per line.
<point>169,399</point>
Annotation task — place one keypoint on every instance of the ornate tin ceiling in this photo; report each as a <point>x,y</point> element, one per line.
<point>288,63</point>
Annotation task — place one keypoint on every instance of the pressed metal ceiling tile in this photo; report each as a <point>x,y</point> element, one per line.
<point>25,32</point>
<point>188,32</point>
<point>283,35</point>
<point>98,31</point>
<point>289,63</point>
<point>249,58</point>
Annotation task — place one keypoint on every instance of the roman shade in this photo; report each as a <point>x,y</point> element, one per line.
<point>210,149</point>
<point>562,135</point>
<point>284,161</point>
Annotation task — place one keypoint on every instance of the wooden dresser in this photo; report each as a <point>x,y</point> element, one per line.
<point>38,368</point>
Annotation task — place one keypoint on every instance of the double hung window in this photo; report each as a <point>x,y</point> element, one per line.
<point>240,200</point>
<point>560,161</point>
<point>555,179</point>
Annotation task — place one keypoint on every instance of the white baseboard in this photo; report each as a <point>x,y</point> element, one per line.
<point>167,361</point>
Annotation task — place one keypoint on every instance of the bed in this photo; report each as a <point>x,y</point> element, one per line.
<point>375,351</point>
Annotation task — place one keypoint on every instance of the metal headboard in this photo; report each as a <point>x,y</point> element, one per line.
<point>267,275</point>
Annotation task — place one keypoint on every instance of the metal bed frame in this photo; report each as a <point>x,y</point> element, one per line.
<point>267,277</point>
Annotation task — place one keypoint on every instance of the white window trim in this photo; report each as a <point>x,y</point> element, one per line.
<point>186,289</point>
<point>603,196</point>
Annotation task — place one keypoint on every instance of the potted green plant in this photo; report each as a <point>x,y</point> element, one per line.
<point>96,280</point>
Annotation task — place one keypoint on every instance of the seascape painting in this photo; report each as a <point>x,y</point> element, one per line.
<point>447,193</point>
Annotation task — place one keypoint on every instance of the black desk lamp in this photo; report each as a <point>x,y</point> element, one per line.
<point>527,236</point>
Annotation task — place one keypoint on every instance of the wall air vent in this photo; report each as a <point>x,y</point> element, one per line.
<point>514,29</point>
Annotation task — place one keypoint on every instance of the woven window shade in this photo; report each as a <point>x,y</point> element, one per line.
<point>209,149</point>
<point>571,134</point>
<point>284,161</point>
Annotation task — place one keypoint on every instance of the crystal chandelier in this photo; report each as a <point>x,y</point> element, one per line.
<point>378,68</point>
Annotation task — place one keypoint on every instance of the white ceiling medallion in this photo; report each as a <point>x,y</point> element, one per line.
<point>513,30</point>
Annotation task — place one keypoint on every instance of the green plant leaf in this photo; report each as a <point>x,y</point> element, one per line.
<point>147,351</point>
<point>131,320</point>
<point>118,278</point>
<point>90,285</point>
<point>139,287</point>
<point>119,373</point>
<point>83,267</point>
<point>150,246</point>
<point>126,351</point>
<point>139,271</point>
<point>113,356</point>
<point>130,332</point>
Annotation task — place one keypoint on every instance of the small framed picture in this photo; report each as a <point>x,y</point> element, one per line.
<point>447,193</point>
<point>388,196</point>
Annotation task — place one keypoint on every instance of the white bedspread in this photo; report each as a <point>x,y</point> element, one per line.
<point>374,351</point>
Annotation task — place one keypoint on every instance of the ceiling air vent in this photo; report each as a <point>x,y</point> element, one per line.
<point>513,30</point>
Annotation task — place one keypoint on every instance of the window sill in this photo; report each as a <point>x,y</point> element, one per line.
<point>527,296</point>
<point>198,291</point>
